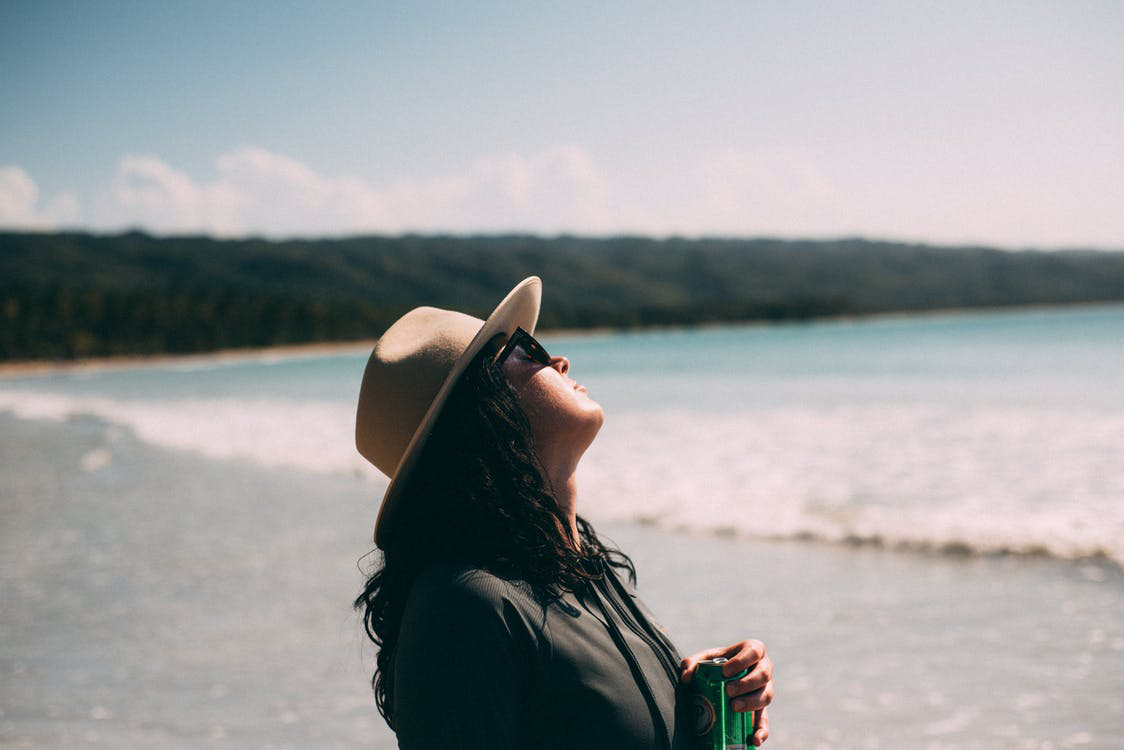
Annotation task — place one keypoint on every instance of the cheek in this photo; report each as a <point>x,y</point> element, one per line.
<point>540,405</point>
<point>556,410</point>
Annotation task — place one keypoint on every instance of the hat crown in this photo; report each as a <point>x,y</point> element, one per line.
<point>411,373</point>
<point>407,368</point>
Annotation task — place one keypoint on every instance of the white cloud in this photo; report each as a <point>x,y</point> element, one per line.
<point>555,190</point>
<point>523,180</point>
<point>762,191</point>
<point>257,191</point>
<point>781,191</point>
<point>18,195</point>
<point>149,193</point>
<point>276,194</point>
<point>19,203</point>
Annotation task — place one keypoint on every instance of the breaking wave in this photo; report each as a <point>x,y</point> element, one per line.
<point>1039,481</point>
<point>982,481</point>
<point>312,436</point>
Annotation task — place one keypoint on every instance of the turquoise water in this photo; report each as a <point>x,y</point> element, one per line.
<point>1070,357</point>
<point>922,516</point>
<point>998,431</point>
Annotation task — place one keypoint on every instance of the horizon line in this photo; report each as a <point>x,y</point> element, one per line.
<point>554,236</point>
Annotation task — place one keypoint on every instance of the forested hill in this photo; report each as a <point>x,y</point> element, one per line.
<point>76,295</point>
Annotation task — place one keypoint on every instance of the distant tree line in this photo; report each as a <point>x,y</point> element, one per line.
<point>72,295</point>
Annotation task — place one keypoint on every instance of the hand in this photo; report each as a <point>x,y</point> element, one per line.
<point>753,692</point>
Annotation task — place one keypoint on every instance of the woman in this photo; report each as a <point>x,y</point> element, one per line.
<point>500,616</point>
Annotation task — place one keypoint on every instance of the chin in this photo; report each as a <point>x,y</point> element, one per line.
<point>594,422</point>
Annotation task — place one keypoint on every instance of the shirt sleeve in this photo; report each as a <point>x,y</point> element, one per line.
<point>463,666</point>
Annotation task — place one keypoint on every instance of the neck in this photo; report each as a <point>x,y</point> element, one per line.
<point>564,484</point>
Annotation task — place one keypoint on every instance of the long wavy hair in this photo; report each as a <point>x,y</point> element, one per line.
<point>477,496</point>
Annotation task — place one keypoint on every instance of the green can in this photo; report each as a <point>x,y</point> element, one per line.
<point>717,725</point>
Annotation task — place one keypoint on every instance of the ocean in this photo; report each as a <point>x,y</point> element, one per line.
<point>922,516</point>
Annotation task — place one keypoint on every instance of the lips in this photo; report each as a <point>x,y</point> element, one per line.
<point>577,386</point>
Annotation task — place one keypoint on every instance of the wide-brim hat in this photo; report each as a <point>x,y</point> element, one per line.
<point>411,373</point>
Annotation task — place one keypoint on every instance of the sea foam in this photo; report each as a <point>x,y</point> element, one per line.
<point>972,480</point>
<point>913,476</point>
<point>312,436</point>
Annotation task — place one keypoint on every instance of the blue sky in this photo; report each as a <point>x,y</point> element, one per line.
<point>1000,123</point>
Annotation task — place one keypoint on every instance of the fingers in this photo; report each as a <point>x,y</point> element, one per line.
<point>757,678</point>
<point>754,700</point>
<point>687,666</point>
<point>750,692</point>
<point>746,655</point>
<point>741,655</point>
<point>760,727</point>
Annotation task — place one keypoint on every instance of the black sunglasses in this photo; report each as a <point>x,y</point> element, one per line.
<point>528,343</point>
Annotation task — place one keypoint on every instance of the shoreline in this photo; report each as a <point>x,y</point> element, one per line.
<point>22,368</point>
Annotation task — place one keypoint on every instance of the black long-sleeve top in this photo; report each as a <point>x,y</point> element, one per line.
<point>483,664</point>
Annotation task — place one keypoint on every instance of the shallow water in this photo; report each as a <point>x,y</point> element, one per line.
<point>163,600</point>
<point>986,432</point>
<point>920,516</point>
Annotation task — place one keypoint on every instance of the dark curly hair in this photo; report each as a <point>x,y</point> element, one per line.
<point>477,496</point>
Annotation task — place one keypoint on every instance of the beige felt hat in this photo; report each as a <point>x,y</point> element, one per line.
<point>411,373</point>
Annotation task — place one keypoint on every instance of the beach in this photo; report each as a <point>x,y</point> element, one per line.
<point>181,543</point>
<point>155,601</point>
<point>47,367</point>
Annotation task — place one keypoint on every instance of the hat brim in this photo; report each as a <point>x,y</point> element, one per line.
<point>519,309</point>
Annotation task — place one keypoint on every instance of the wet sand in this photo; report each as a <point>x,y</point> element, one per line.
<point>42,367</point>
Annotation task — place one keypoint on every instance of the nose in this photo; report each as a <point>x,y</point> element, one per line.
<point>561,364</point>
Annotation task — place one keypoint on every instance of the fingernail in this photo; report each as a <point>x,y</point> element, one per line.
<point>738,705</point>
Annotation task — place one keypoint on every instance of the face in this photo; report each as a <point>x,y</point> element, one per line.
<point>564,419</point>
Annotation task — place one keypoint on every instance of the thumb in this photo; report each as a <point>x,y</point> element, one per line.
<point>687,666</point>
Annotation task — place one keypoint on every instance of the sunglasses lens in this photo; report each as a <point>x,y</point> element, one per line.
<point>525,341</point>
<point>537,352</point>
